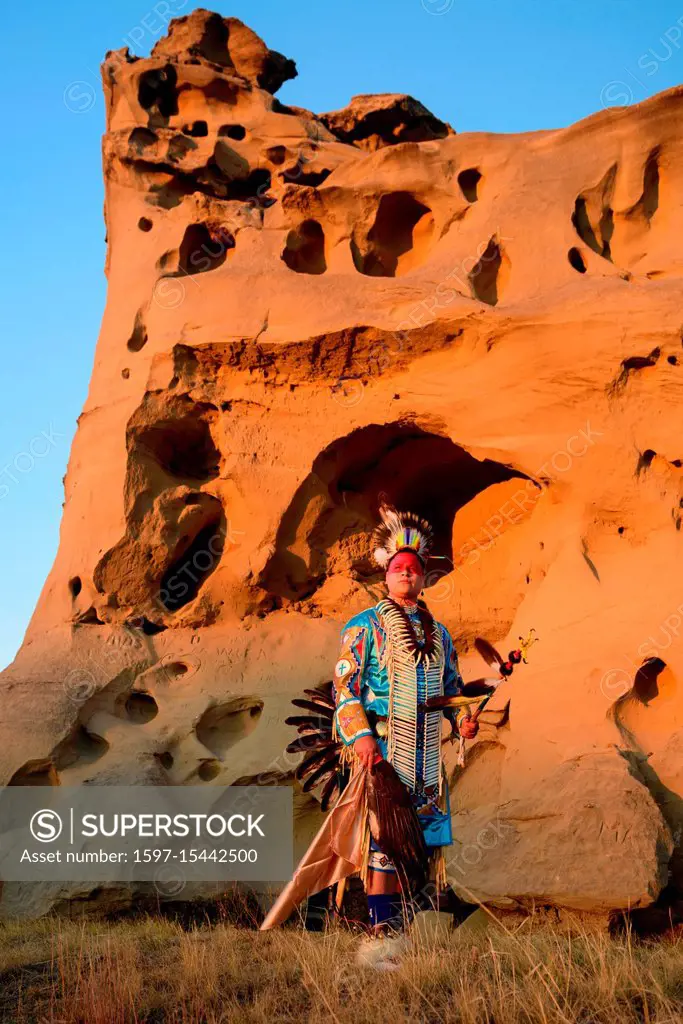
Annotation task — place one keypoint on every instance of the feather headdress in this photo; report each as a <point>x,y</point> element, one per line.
<point>400,531</point>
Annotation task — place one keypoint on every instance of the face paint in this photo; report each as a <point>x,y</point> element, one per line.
<point>406,560</point>
<point>405,576</point>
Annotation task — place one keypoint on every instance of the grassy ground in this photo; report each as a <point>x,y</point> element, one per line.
<point>153,970</point>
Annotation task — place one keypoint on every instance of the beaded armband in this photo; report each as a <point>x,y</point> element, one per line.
<point>350,720</point>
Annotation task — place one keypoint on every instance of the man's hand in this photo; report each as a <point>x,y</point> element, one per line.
<point>469,728</point>
<point>366,750</point>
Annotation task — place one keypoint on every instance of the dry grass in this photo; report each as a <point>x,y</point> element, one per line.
<point>153,970</point>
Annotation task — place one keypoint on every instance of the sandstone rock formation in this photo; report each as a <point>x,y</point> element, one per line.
<point>304,313</point>
<point>373,121</point>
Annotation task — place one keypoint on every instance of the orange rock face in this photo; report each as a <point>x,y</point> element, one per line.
<point>307,313</point>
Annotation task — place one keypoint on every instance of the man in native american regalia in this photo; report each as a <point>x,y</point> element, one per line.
<point>392,820</point>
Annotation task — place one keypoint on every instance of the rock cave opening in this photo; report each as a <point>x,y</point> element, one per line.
<point>646,704</point>
<point>644,460</point>
<point>253,187</point>
<point>304,250</point>
<point>157,94</point>
<point>175,531</point>
<point>220,92</point>
<point>178,148</point>
<point>141,707</point>
<point>398,238</point>
<point>141,138</point>
<point>138,338</point>
<point>298,175</point>
<point>198,129</point>
<point>646,685</point>
<point>204,247</point>
<point>276,154</point>
<point>208,770</point>
<point>593,216</point>
<point>182,444</point>
<point>576,260</point>
<point>223,725</point>
<point>649,201</point>
<point>40,772</point>
<point>192,562</point>
<point>175,668</point>
<point>232,131</point>
<point>468,181</point>
<point>485,277</point>
<point>81,747</point>
<point>326,529</point>
<point>149,628</point>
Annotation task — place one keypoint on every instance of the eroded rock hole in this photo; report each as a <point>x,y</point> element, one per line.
<point>149,628</point>
<point>484,277</point>
<point>641,362</point>
<point>469,184</point>
<point>593,216</point>
<point>198,129</point>
<point>280,108</point>
<point>233,131</point>
<point>304,249</point>
<point>140,138</point>
<point>75,586</point>
<point>157,94</point>
<point>254,186</point>
<point>178,148</point>
<point>576,260</point>
<point>327,526</point>
<point>36,773</point>
<point>213,45</point>
<point>204,247</point>
<point>208,770</point>
<point>165,759</point>
<point>220,93</point>
<point>583,225</point>
<point>89,617</point>
<point>141,707</point>
<point>632,365</point>
<point>182,445</point>
<point>81,747</point>
<point>298,175</point>
<point>145,224</point>
<point>276,154</point>
<point>649,202</point>
<point>176,668</point>
<point>138,338</point>
<point>645,684</point>
<point>222,726</point>
<point>645,460</point>
<point>194,561</point>
<point>402,229</point>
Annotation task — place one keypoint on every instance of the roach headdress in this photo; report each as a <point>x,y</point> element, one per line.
<point>400,531</point>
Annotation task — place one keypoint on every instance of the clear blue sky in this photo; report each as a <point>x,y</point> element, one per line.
<point>493,65</point>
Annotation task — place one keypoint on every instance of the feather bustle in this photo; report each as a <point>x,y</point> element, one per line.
<point>314,761</point>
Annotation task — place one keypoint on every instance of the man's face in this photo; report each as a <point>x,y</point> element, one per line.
<point>405,576</point>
